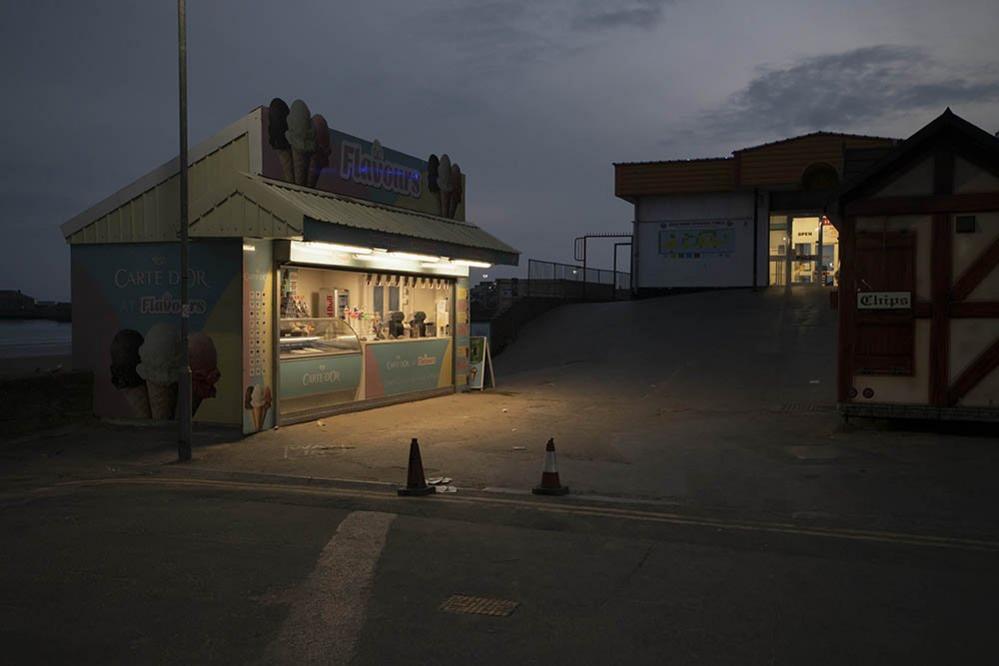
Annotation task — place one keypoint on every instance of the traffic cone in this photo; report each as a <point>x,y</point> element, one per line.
<point>416,481</point>
<point>549,476</point>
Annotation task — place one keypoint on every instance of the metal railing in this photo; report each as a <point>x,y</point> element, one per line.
<point>554,280</point>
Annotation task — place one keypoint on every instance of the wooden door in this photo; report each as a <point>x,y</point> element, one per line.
<point>885,339</point>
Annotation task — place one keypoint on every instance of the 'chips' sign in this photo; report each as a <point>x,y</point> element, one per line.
<point>884,300</point>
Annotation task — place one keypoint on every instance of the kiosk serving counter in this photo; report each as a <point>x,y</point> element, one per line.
<point>346,336</point>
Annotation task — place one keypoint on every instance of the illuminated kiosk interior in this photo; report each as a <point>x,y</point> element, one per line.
<point>363,325</point>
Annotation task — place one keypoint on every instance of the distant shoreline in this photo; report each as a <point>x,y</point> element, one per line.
<point>55,316</point>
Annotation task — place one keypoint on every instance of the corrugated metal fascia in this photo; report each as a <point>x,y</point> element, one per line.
<point>362,215</point>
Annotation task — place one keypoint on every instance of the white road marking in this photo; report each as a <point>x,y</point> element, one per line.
<point>329,608</point>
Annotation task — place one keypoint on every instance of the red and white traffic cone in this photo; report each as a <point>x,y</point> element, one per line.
<point>416,481</point>
<point>549,476</point>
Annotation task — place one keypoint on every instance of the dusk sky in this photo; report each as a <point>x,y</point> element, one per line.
<point>535,100</point>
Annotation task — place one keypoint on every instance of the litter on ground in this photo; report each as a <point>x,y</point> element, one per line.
<point>438,480</point>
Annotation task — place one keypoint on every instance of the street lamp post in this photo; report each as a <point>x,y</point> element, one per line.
<point>184,381</point>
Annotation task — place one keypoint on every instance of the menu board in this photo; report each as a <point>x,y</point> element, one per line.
<point>480,363</point>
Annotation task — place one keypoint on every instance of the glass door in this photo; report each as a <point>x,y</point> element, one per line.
<point>805,260</point>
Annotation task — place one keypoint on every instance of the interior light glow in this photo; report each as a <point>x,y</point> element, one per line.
<point>473,264</point>
<point>249,248</point>
<point>336,247</point>
<point>415,257</point>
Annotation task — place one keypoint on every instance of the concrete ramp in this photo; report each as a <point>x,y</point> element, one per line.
<point>710,350</point>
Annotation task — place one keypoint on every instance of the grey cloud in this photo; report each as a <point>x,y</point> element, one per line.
<point>845,90</point>
<point>631,14</point>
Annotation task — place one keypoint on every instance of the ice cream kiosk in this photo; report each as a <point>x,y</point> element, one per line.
<point>328,273</point>
<point>919,279</point>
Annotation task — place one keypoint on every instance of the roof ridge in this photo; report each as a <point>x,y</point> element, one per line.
<point>677,161</point>
<point>816,133</point>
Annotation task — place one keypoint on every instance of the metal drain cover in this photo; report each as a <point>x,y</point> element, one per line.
<point>478,605</point>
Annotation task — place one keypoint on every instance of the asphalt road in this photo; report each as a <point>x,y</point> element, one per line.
<point>721,514</point>
<point>180,567</point>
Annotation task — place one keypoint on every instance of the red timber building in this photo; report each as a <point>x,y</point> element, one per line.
<point>919,278</point>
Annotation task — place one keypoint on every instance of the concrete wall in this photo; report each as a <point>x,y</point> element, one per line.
<point>728,264</point>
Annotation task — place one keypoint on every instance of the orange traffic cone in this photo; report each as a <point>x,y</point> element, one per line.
<point>416,481</point>
<point>549,476</point>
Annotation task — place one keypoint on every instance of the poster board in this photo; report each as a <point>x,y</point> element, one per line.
<point>480,363</point>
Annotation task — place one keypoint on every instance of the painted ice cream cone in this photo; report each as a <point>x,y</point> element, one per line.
<point>444,184</point>
<point>267,404</point>
<point>456,190</point>
<point>162,400</point>
<point>203,360</point>
<point>159,365</point>
<point>138,400</point>
<point>124,359</point>
<point>321,158</point>
<point>287,165</point>
<point>301,137</point>
<point>260,402</point>
<point>433,168</point>
<point>300,164</point>
<point>277,126</point>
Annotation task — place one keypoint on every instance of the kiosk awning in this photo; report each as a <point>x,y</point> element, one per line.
<point>313,215</point>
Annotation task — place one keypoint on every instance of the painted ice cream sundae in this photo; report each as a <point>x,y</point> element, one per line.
<point>124,359</point>
<point>258,400</point>
<point>302,138</point>
<point>444,184</point>
<point>277,127</point>
<point>160,357</point>
<point>321,158</point>
<point>203,360</point>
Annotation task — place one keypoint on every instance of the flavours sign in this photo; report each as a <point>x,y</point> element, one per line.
<point>884,300</point>
<point>371,169</point>
<point>299,147</point>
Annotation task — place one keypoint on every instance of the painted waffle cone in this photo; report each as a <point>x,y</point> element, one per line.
<point>286,166</point>
<point>300,162</point>
<point>195,403</point>
<point>138,401</point>
<point>162,401</point>
<point>314,168</point>
<point>259,414</point>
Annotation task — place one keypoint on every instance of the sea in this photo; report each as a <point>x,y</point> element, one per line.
<point>34,337</point>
